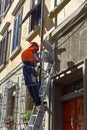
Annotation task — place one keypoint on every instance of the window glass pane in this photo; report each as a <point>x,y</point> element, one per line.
<point>36,15</point>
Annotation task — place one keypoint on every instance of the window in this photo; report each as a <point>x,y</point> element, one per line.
<point>54,3</point>
<point>36,15</point>
<point>17,31</point>
<point>4,48</point>
<point>4,5</point>
<point>29,102</point>
<point>57,6</point>
<point>76,86</point>
<point>8,104</point>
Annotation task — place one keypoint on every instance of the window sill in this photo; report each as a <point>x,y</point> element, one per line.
<point>17,7</point>
<point>15,53</point>
<point>56,33</point>
<point>33,33</point>
<point>2,67</point>
<point>58,8</point>
<point>4,27</point>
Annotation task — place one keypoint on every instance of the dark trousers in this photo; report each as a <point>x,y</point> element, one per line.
<point>34,93</point>
<point>31,82</point>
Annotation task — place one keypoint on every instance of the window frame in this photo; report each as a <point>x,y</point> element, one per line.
<point>34,20</point>
<point>8,102</point>
<point>56,10</point>
<point>54,3</point>
<point>5,4</point>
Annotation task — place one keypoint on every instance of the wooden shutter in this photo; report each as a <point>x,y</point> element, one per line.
<point>30,103</point>
<point>2,6</point>
<point>11,110</point>
<point>14,36</point>
<point>0,105</point>
<point>0,52</point>
<point>5,42</point>
<point>4,48</point>
<point>7,2</point>
<point>10,101</point>
<point>8,46</point>
<point>19,28</point>
<point>4,103</point>
<point>17,31</point>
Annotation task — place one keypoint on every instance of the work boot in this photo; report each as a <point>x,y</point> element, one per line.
<point>37,108</point>
<point>44,105</point>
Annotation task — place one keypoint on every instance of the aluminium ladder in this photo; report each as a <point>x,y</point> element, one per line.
<point>37,116</point>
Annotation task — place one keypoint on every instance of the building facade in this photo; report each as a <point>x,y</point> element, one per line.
<point>65,27</point>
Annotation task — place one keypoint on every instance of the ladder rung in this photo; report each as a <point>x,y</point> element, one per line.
<point>34,115</point>
<point>43,86</point>
<point>41,95</point>
<point>31,125</point>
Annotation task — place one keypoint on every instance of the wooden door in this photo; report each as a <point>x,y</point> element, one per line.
<point>74,114</point>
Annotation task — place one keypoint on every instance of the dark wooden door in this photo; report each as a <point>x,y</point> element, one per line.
<point>74,114</point>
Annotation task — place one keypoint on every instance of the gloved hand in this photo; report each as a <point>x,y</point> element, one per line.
<point>38,70</point>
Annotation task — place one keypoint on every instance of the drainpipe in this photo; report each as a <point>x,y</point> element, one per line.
<point>41,38</point>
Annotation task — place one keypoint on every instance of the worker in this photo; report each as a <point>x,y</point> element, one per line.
<point>30,58</point>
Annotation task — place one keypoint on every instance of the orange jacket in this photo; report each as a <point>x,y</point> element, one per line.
<point>28,55</point>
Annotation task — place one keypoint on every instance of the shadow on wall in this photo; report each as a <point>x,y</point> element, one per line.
<point>48,23</point>
<point>57,61</point>
<point>70,64</point>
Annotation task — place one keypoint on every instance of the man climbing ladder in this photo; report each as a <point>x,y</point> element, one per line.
<point>30,58</point>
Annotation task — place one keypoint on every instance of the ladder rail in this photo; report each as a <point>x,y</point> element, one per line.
<point>36,121</point>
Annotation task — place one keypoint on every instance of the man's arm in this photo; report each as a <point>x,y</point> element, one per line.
<point>36,56</point>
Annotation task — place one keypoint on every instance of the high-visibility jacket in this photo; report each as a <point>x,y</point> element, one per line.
<point>28,55</point>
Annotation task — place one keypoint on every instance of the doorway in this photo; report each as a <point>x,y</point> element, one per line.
<point>73,111</point>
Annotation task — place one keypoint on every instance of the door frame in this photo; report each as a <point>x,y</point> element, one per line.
<point>85,92</point>
<point>81,69</point>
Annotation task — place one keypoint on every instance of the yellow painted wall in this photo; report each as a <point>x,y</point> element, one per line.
<point>49,25</point>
